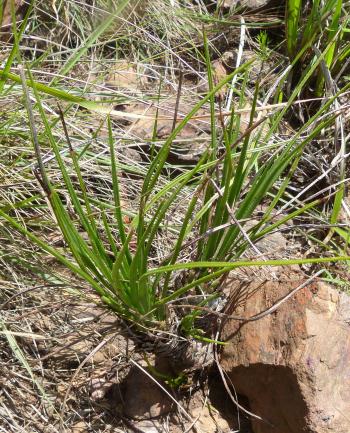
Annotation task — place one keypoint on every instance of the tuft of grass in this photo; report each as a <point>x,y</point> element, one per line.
<point>112,248</point>
<point>228,183</point>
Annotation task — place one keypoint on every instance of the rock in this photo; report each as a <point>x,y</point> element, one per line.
<point>143,398</point>
<point>294,364</point>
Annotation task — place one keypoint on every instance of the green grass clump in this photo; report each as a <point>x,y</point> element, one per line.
<point>226,190</point>
<point>234,176</point>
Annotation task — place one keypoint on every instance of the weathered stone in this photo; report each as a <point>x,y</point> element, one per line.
<point>294,364</point>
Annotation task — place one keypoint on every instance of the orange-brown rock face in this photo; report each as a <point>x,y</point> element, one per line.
<point>293,364</point>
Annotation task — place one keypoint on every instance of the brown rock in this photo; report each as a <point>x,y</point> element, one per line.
<point>294,364</point>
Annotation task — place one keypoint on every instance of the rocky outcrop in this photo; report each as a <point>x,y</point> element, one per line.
<point>294,364</point>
